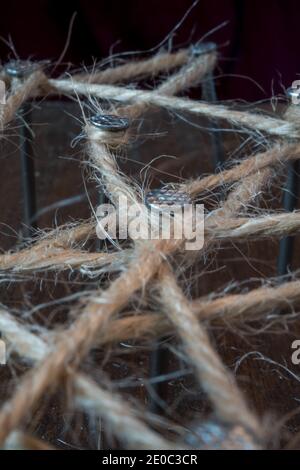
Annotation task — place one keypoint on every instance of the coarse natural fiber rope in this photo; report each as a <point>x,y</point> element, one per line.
<point>18,96</point>
<point>104,316</point>
<point>240,119</point>
<point>20,441</point>
<point>187,77</point>
<point>89,396</point>
<point>219,385</point>
<point>160,63</point>
<point>229,308</point>
<point>240,229</point>
<point>215,378</point>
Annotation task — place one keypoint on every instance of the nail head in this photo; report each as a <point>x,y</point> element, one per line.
<point>293,94</point>
<point>20,68</point>
<point>110,122</point>
<point>165,198</point>
<point>203,48</point>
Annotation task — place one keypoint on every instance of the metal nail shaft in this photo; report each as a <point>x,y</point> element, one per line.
<point>27,173</point>
<point>113,124</point>
<point>17,71</point>
<point>159,355</point>
<point>209,94</point>
<point>290,198</point>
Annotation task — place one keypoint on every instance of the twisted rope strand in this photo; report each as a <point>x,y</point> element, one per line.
<point>89,396</point>
<point>190,75</point>
<point>250,306</point>
<point>213,377</point>
<point>240,119</point>
<point>160,63</point>
<point>75,342</point>
<point>18,97</point>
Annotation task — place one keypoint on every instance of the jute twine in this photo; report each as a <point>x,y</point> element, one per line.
<point>104,317</point>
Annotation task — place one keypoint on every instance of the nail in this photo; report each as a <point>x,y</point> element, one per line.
<point>110,122</point>
<point>290,199</point>
<point>165,198</point>
<point>160,200</point>
<point>18,70</point>
<point>209,94</point>
<point>293,95</point>
<point>203,48</point>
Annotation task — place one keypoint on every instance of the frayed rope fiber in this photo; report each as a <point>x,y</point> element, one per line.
<point>104,317</point>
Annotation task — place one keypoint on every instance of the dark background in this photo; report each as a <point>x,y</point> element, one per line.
<point>259,41</point>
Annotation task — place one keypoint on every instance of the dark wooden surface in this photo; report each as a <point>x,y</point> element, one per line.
<point>272,385</point>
